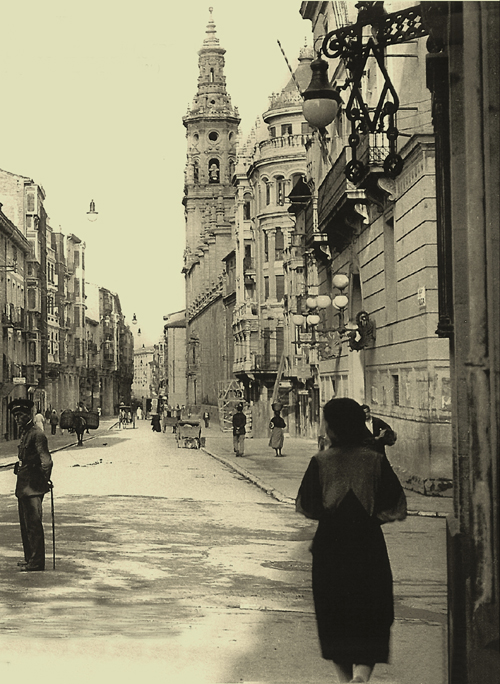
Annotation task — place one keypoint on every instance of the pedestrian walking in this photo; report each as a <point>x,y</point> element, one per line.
<point>54,422</point>
<point>80,422</point>
<point>383,434</point>
<point>138,413</point>
<point>155,422</point>
<point>39,420</point>
<point>206,418</point>
<point>164,420</point>
<point>351,490</point>
<point>277,425</point>
<point>239,431</point>
<point>33,472</point>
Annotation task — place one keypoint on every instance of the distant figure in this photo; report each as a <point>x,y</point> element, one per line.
<point>206,418</point>
<point>276,425</point>
<point>47,414</point>
<point>383,434</point>
<point>54,422</point>
<point>155,422</point>
<point>39,420</point>
<point>239,431</point>
<point>138,413</point>
<point>164,419</point>
<point>80,422</point>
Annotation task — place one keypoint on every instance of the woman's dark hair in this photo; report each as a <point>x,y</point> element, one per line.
<point>346,419</point>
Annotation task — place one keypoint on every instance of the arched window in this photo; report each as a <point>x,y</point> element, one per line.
<point>280,190</point>
<point>213,171</point>
<point>196,171</point>
<point>268,193</point>
<point>247,206</point>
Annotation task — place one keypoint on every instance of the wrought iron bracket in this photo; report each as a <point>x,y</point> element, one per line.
<point>354,46</point>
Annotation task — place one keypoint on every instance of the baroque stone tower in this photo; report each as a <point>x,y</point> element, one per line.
<point>211,131</point>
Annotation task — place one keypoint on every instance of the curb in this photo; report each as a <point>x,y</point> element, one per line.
<point>276,494</point>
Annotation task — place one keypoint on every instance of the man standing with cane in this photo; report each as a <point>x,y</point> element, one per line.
<point>33,481</point>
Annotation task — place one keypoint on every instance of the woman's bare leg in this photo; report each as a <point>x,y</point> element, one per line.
<point>364,672</point>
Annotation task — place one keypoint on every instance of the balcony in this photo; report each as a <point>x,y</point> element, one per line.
<point>279,146</point>
<point>267,363</point>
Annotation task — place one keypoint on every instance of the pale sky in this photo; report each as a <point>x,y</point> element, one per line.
<point>93,96</point>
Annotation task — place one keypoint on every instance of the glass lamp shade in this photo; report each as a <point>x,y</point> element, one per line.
<point>340,281</point>
<point>311,302</point>
<point>92,214</point>
<point>323,301</point>
<point>320,112</point>
<point>340,302</point>
<point>313,319</point>
<point>298,319</point>
<point>321,101</point>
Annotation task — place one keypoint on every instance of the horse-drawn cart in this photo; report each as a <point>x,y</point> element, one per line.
<point>188,434</point>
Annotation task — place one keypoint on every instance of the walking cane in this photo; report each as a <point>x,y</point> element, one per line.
<point>53,525</point>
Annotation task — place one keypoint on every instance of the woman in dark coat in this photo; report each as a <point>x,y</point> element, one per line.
<point>351,490</point>
<point>155,422</point>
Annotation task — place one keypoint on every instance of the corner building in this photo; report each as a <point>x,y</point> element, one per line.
<point>211,131</point>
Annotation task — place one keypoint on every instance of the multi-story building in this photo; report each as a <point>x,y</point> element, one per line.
<point>380,233</point>
<point>269,166</point>
<point>14,250</point>
<point>142,386</point>
<point>175,358</point>
<point>211,131</point>
<point>52,352</point>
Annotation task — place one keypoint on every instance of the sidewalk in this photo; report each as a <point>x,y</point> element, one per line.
<point>8,450</point>
<point>281,477</point>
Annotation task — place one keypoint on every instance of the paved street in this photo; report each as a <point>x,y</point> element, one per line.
<point>173,566</point>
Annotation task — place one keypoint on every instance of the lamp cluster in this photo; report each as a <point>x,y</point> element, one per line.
<point>319,302</point>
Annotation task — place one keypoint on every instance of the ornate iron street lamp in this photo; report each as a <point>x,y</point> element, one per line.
<point>354,45</point>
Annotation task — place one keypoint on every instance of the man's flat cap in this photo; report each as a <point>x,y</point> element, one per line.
<point>20,406</point>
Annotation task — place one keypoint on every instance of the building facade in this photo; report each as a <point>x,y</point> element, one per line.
<point>52,352</point>
<point>211,131</point>
<point>175,358</point>
<point>272,162</point>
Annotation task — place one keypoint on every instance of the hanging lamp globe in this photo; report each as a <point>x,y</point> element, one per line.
<point>298,319</point>
<point>340,281</point>
<point>321,100</point>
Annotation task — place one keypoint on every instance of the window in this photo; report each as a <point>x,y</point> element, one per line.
<point>279,244</point>
<point>395,389</point>
<point>280,190</point>
<point>272,131</point>
<point>31,202</point>
<point>305,128</point>
<point>76,262</point>
<point>280,287</point>
<point>213,136</point>
<point>266,287</point>
<point>266,247</point>
<point>268,193</point>
<point>286,129</point>
<point>246,207</point>
<point>213,171</point>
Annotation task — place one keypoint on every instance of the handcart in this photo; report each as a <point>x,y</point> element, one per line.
<point>188,434</point>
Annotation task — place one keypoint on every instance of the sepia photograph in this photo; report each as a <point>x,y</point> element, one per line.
<point>249,294</point>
